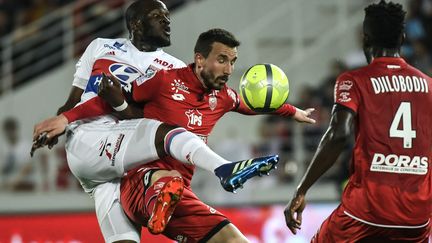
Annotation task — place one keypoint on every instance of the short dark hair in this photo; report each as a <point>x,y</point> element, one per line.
<point>133,12</point>
<point>386,24</point>
<point>206,40</point>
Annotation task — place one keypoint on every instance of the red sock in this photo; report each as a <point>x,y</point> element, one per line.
<point>153,191</point>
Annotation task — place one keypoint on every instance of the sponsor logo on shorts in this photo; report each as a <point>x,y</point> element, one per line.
<point>105,147</point>
<point>147,178</point>
<point>117,147</point>
<point>212,210</point>
<point>399,164</point>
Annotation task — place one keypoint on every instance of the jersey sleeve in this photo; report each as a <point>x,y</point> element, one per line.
<point>241,107</point>
<point>232,101</point>
<point>180,64</point>
<point>84,65</point>
<point>346,92</point>
<point>143,90</point>
<point>91,108</point>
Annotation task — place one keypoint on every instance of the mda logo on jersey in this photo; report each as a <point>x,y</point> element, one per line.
<point>123,72</point>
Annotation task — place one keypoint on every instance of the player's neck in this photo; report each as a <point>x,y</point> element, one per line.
<point>143,46</point>
<point>381,52</point>
<point>384,52</point>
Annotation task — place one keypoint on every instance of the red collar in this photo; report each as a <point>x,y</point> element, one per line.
<point>390,60</point>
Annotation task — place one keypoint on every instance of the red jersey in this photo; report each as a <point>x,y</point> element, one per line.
<point>390,184</point>
<point>179,98</point>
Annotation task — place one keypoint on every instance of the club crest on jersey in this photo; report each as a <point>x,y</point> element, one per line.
<point>212,102</point>
<point>123,72</point>
<point>345,85</point>
<point>148,74</point>
<point>195,118</point>
<point>344,97</point>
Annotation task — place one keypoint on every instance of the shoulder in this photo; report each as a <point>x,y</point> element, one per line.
<point>418,73</point>
<point>176,63</point>
<point>229,93</point>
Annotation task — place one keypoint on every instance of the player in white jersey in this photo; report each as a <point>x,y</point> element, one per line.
<point>98,151</point>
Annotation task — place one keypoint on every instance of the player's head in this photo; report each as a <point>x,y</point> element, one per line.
<point>215,55</point>
<point>148,23</point>
<point>383,27</point>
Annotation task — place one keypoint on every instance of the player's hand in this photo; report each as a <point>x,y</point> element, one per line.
<point>47,132</point>
<point>304,115</point>
<point>293,212</point>
<point>110,90</point>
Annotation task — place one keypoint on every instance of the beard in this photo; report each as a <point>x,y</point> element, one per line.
<point>209,80</point>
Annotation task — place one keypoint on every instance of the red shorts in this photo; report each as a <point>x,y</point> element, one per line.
<point>192,220</point>
<point>339,227</point>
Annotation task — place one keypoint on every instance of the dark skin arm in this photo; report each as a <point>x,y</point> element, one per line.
<point>110,90</point>
<point>73,99</point>
<point>332,144</point>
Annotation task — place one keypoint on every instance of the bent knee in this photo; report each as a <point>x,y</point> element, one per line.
<point>161,133</point>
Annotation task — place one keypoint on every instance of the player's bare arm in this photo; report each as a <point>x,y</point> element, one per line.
<point>73,99</point>
<point>330,147</point>
<point>111,91</point>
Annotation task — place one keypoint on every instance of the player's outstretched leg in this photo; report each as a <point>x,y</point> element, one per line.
<point>166,201</point>
<point>233,175</point>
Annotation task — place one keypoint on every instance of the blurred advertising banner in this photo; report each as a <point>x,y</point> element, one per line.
<point>261,224</point>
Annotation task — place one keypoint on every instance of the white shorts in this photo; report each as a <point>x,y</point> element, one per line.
<point>104,149</point>
<point>114,223</point>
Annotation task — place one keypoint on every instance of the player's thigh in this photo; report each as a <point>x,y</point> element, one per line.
<point>114,224</point>
<point>228,234</point>
<point>102,151</point>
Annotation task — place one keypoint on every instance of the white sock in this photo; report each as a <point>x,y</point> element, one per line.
<point>190,149</point>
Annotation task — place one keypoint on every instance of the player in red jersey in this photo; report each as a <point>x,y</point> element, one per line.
<point>388,197</point>
<point>194,97</point>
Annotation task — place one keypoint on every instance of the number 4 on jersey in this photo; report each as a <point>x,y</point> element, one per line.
<point>403,113</point>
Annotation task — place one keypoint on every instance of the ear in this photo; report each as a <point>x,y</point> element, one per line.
<point>199,59</point>
<point>135,25</point>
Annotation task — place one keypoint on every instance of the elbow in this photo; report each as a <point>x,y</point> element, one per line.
<point>339,137</point>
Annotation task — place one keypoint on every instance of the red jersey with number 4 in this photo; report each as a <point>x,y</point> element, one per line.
<point>390,184</point>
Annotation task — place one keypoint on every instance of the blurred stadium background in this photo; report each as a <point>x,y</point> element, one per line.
<point>312,41</point>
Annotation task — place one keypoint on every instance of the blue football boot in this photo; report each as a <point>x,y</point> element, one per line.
<point>233,175</point>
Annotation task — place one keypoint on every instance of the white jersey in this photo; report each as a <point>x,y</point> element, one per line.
<point>100,151</point>
<point>121,59</point>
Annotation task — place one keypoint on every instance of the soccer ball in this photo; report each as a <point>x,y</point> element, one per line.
<point>264,87</point>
